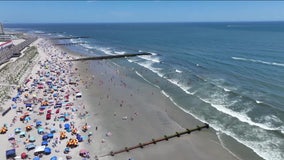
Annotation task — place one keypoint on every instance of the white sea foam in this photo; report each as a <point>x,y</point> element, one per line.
<point>241,116</point>
<point>140,75</point>
<point>150,58</point>
<point>258,61</point>
<point>259,148</point>
<point>120,52</point>
<point>181,86</point>
<point>258,102</point>
<point>262,148</point>
<point>178,71</point>
<point>148,65</point>
<point>105,50</point>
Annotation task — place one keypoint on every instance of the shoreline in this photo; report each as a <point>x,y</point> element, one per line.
<point>161,115</point>
<point>110,95</point>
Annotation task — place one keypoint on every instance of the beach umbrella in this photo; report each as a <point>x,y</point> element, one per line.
<point>24,155</point>
<point>36,158</point>
<point>44,143</point>
<point>44,137</point>
<point>53,158</point>
<point>47,150</point>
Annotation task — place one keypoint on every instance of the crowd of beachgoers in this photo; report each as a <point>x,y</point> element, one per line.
<point>47,113</point>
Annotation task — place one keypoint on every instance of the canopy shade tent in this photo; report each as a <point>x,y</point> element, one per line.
<point>10,153</point>
<point>32,139</point>
<point>40,130</point>
<point>30,146</point>
<point>18,130</point>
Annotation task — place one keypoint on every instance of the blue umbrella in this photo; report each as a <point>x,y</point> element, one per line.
<point>38,123</point>
<point>50,135</point>
<point>36,158</point>
<point>53,158</point>
<point>47,150</point>
<point>44,143</point>
<point>44,137</point>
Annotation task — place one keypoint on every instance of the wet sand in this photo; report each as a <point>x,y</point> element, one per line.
<point>113,96</point>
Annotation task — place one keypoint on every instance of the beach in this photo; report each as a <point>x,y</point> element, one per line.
<point>118,110</point>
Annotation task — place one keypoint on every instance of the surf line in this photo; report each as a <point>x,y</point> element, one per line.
<point>154,141</point>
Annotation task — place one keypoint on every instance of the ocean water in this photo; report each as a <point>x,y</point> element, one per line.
<point>230,75</point>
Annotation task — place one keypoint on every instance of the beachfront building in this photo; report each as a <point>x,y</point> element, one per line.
<point>1,29</point>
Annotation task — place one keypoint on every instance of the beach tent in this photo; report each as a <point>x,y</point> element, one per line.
<point>32,139</point>
<point>30,146</point>
<point>67,127</point>
<point>11,137</point>
<point>14,99</point>
<point>79,95</point>
<point>53,158</point>
<point>52,130</point>
<point>10,153</point>
<point>79,137</point>
<point>38,123</point>
<point>22,134</point>
<point>42,107</point>
<point>58,105</point>
<point>44,137</point>
<point>27,118</point>
<point>50,135</point>
<point>40,130</point>
<point>18,130</point>
<point>44,143</point>
<point>39,149</point>
<point>66,150</point>
<point>14,106</point>
<point>47,150</point>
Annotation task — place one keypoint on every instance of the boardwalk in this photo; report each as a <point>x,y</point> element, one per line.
<point>15,51</point>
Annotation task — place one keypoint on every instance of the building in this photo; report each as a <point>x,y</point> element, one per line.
<point>1,29</point>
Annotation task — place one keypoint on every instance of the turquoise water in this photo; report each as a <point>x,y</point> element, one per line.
<point>230,75</point>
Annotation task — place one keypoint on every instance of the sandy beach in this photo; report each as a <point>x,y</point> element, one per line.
<point>118,111</point>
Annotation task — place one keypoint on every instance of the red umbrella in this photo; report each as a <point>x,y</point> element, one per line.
<point>24,155</point>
